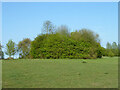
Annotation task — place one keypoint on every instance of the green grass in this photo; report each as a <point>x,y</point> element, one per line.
<point>60,73</point>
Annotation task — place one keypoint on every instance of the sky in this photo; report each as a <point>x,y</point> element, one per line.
<point>25,19</point>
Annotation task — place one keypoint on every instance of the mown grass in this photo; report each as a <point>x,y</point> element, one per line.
<point>60,73</point>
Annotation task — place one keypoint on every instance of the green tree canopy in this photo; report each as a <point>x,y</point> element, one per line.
<point>24,47</point>
<point>10,48</point>
<point>85,35</point>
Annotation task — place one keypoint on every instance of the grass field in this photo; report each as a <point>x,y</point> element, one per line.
<point>67,73</point>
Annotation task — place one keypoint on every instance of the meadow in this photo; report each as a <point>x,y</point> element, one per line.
<point>60,73</point>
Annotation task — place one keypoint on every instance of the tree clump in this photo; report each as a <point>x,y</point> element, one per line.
<point>83,44</point>
<point>111,49</point>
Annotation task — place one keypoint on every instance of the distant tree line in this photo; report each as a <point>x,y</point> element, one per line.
<point>111,49</point>
<point>60,43</point>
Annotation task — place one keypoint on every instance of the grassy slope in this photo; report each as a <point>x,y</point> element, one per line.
<point>96,73</point>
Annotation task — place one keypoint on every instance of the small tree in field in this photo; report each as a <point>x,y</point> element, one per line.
<point>10,48</point>
<point>24,47</point>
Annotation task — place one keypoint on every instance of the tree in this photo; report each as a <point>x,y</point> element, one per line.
<point>114,45</point>
<point>108,45</point>
<point>24,48</point>
<point>100,51</point>
<point>112,49</point>
<point>89,36</point>
<point>1,52</point>
<point>115,48</point>
<point>109,50</point>
<point>10,48</point>
<point>85,35</point>
<point>48,27</point>
<point>63,30</point>
<point>109,53</point>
